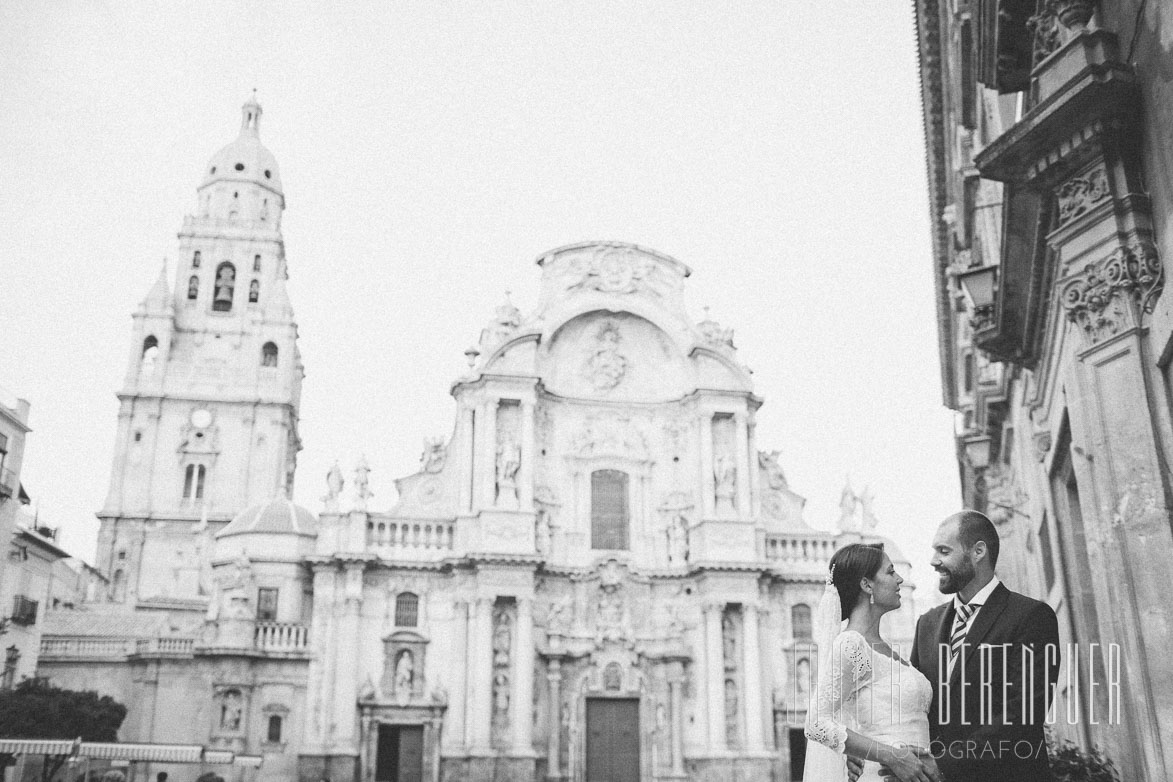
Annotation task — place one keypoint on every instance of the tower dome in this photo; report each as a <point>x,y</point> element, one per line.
<point>279,516</point>
<point>245,160</point>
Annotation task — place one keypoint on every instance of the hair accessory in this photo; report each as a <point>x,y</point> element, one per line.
<point>831,577</point>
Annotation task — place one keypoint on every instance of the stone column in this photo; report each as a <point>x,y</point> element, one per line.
<point>752,679</point>
<point>488,452</point>
<point>347,649</point>
<point>741,451</point>
<point>525,473</point>
<point>554,739</point>
<point>700,673</point>
<point>320,676</point>
<point>676,703</point>
<point>472,667</point>
<point>467,457</point>
<point>481,683</point>
<point>458,683</point>
<point>715,692</point>
<point>708,487</point>
<point>755,489</point>
<point>523,679</point>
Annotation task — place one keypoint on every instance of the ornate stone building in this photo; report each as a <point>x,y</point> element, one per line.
<point>598,575</point>
<point>1047,128</point>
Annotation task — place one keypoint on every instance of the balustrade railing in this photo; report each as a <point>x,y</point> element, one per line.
<point>165,646</point>
<point>802,553</point>
<point>410,536</point>
<point>282,636</point>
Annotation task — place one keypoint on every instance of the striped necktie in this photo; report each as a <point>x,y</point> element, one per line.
<point>964,612</point>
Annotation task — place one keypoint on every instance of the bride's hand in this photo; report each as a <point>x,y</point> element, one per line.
<point>907,765</point>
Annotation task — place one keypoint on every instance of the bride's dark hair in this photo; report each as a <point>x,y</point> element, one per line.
<point>852,563</point>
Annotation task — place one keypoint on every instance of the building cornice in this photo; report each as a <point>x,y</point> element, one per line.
<point>928,32</point>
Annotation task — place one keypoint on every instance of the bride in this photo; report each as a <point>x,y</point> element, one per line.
<point>868,703</point>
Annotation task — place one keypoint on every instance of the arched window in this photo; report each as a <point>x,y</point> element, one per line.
<point>407,610</point>
<point>254,291</point>
<point>269,355</point>
<point>195,260</point>
<point>800,622</point>
<point>193,287</point>
<point>225,284</point>
<point>193,482</point>
<point>256,263</point>
<point>274,733</point>
<point>150,355</point>
<point>609,514</point>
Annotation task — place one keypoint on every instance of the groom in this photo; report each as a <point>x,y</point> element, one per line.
<point>971,649</point>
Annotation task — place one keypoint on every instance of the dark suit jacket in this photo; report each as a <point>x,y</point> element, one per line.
<point>994,740</point>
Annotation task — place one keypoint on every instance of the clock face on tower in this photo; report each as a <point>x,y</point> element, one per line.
<point>200,418</point>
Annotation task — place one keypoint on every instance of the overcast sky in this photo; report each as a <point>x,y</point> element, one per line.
<point>430,151</point>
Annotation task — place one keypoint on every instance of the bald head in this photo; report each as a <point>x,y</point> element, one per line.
<point>973,527</point>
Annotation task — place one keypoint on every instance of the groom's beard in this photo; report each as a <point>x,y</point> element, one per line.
<point>955,579</point>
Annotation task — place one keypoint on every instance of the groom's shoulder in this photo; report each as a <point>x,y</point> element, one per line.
<point>1024,604</point>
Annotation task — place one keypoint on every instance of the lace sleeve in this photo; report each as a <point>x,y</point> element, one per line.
<point>846,669</point>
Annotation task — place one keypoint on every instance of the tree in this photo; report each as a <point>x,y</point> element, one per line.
<point>35,709</point>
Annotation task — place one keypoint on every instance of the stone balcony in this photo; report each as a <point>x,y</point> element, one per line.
<point>282,637</point>
<point>114,648</point>
<point>407,539</point>
<point>269,638</point>
<point>801,555</point>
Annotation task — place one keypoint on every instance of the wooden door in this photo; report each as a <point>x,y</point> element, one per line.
<point>411,754</point>
<point>400,754</point>
<point>612,747</point>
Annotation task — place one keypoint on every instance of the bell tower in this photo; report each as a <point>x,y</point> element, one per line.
<point>208,416</point>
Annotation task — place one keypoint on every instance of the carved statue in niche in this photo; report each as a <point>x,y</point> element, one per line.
<point>613,678</point>
<point>404,674</point>
<point>725,478</point>
<point>605,366</point>
<point>231,710</point>
<point>560,617</point>
<point>802,676</point>
<point>501,692</point>
<point>334,484</point>
<point>729,641</point>
<point>677,540</point>
<point>731,733</point>
<point>435,455</point>
<point>508,463</point>
<point>613,625</point>
<point>542,533</point>
<point>502,638</point>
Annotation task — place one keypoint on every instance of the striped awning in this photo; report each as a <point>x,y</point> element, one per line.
<point>250,761</point>
<point>157,753</point>
<point>36,746</point>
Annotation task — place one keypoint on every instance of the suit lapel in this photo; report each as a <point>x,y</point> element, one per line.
<point>982,624</point>
<point>941,636</point>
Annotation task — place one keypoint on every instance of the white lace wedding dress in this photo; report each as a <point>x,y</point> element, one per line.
<point>871,693</point>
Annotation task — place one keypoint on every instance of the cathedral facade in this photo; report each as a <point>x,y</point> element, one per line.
<point>598,576</point>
